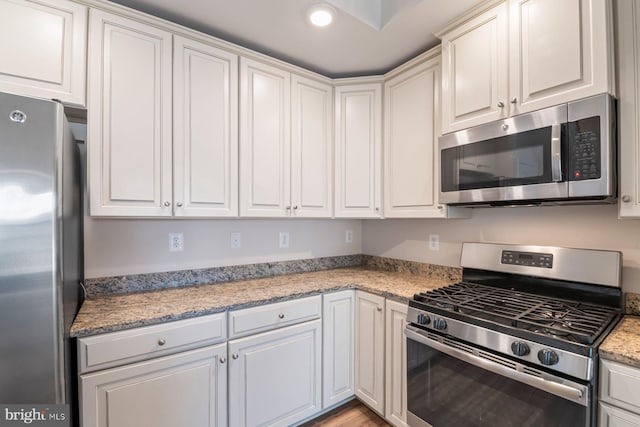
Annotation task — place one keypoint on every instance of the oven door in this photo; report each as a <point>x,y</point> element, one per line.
<point>510,160</point>
<point>454,384</point>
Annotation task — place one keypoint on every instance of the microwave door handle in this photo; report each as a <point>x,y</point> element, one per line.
<point>556,153</point>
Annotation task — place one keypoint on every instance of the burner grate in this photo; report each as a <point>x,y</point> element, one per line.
<point>563,319</point>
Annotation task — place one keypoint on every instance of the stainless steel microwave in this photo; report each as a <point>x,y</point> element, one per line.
<point>562,154</point>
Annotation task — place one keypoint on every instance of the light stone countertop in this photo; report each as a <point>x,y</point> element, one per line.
<point>623,343</point>
<point>124,311</point>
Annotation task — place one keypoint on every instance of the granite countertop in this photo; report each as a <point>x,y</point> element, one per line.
<point>623,343</point>
<point>111,313</point>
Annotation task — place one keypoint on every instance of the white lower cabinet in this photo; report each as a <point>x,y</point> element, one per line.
<point>619,404</point>
<point>275,376</point>
<point>395,410</point>
<point>369,350</point>
<point>184,389</point>
<point>610,416</point>
<point>337,347</point>
<point>300,360</point>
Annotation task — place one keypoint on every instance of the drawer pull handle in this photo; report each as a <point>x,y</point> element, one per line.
<point>162,341</point>
<point>223,359</point>
<point>235,355</point>
<point>281,315</point>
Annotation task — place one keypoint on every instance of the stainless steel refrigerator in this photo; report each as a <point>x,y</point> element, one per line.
<point>40,250</point>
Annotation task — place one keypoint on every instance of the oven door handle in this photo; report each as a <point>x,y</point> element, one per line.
<point>556,153</point>
<point>577,393</point>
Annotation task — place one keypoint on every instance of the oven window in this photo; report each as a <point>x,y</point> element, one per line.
<point>519,159</point>
<point>445,391</point>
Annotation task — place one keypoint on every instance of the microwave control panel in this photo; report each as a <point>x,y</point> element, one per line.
<point>584,149</point>
<point>527,259</point>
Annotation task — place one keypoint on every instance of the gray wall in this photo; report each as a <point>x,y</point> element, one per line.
<point>126,246</point>
<point>594,227</point>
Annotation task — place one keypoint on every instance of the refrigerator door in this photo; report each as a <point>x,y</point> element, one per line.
<point>31,368</point>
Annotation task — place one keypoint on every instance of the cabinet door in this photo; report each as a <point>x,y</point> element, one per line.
<point>474,71</point>
<point>205,143</point>
<point>628,54</point>
<point>370,350</point>
<point>129,118</point>
<point>311,148</point>
<point>561,50</point>
<point>186,389</point>
<point>410,146</point>
<point>264,140</point>
<point>396,363</point>
<point>274,377</point>
<point>358,128</point>
<point>44,49</point>
<point>610,416</point>
<point>338,316</point>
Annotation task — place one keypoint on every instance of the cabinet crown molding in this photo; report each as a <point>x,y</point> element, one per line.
<point>468,15</point>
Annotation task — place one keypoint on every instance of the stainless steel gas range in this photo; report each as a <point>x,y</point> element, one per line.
<point>516,342</point>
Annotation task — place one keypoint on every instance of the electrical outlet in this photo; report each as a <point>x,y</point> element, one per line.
<point>236,243</point>
<point>348,236</point>
<point>176,242</point>
<point>434,242</point>
<point>284,239</point>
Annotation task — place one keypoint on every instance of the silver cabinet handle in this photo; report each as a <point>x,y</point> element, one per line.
<point>379,308</point>
<point>505,127</point>
<point>626,198</point>
<point>295,208</point>
<point>223,359</point>
<point>179,204</point>
<point>514,100</point>
<point>281,315</point>
<point>167,204</point>
<point>235,356</point>
<point>500,104</point>
<point>162,341</point>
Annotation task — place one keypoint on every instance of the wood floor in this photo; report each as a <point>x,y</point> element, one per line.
<point>351,414</point>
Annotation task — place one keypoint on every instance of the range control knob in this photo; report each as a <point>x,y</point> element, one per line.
<point>423,319</point>
<point>439,324</point>
<point>519,348</point>
<point>547,357</point>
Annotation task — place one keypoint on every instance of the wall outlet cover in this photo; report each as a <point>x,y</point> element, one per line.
<point>176,242</point>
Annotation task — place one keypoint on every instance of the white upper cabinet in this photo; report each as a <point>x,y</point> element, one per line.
<point>560,50</point>
<point>358,135</point>
<point>474,71</point>
<point>43,53</point>
<point>129,120</point>
<point>264,140</point>
<point>411,173</point>
<point>628,56</point>
<point>205,143</point>
<point>311,148</point>
<point>525,55</point>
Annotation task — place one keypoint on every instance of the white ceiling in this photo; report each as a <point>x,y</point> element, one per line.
<point>351,46</point>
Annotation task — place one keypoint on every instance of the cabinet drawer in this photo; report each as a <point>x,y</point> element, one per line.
<point>271,316</point>
<point>119,348</point>
<point>619,385</point>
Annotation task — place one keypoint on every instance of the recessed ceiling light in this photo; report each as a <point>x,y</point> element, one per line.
<point>321,15</point>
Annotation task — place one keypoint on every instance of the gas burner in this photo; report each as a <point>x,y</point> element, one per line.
<point>552,317</point>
